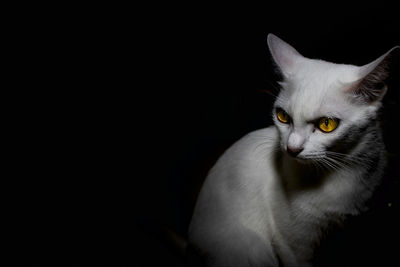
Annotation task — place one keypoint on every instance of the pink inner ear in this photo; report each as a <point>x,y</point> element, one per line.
<point>283,53</point>
<point>287,61</point>
<point>283,57</point>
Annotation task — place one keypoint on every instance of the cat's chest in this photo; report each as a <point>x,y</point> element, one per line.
<point>309,213</point>
<point>313,193</point>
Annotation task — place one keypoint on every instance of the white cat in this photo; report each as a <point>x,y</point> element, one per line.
<point>269,198</point>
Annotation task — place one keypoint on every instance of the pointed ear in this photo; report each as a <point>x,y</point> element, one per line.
<point>371,87</point>
<point>284,55</point>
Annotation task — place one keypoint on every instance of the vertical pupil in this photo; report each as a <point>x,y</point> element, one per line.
<point>326,122</point>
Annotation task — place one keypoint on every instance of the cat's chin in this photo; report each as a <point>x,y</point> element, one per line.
<point>301,159</point>
<point>298,159</point>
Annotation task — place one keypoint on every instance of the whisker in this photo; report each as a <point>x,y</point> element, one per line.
<point>348,160</point>
<point>333,161</point>
<point>338,164</point>
<point>319,165</point>
<point>332,164</point>
<point>353,158</point>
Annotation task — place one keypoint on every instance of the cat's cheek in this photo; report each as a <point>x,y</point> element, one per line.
<point>315,143</point>
<point>322,141</point>
<point>314,150</point>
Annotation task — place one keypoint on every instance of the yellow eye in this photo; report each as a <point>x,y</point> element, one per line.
<point>282,116</point>
<point>327,125</point>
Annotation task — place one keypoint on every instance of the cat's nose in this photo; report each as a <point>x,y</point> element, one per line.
<point>294,151</point>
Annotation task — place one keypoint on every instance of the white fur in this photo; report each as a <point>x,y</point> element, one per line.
<point>257,204</point>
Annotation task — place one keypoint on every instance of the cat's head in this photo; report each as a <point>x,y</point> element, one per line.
<point>321,103</point>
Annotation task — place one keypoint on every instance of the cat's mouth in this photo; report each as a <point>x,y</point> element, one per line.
<point>304,158</point>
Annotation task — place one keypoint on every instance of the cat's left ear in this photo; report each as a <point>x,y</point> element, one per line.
<point>284,55</point>
<point>370,86</point>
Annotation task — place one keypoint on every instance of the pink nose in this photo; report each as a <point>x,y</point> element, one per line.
<point>294,151</point>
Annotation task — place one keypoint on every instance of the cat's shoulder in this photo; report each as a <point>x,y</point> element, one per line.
<point>270,132</point>
<point>265,137</point>
<point>253,145</point>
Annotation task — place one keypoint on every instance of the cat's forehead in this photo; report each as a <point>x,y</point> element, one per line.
<point>304,107</point>
<point>316,90</point>
<point>324,72</point>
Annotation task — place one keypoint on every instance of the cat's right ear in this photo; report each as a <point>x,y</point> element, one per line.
<point>284,55</point>
<point>370,86</point>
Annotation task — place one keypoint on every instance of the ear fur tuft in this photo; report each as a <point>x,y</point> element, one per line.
<point>371,86</point>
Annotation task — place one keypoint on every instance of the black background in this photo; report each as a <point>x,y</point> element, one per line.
<point>145,102</point>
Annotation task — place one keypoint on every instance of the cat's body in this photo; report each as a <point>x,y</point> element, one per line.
<point>236,219</point>
<point>271,196</point>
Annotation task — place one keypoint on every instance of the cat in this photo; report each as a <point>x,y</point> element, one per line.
<point>271,196</point>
